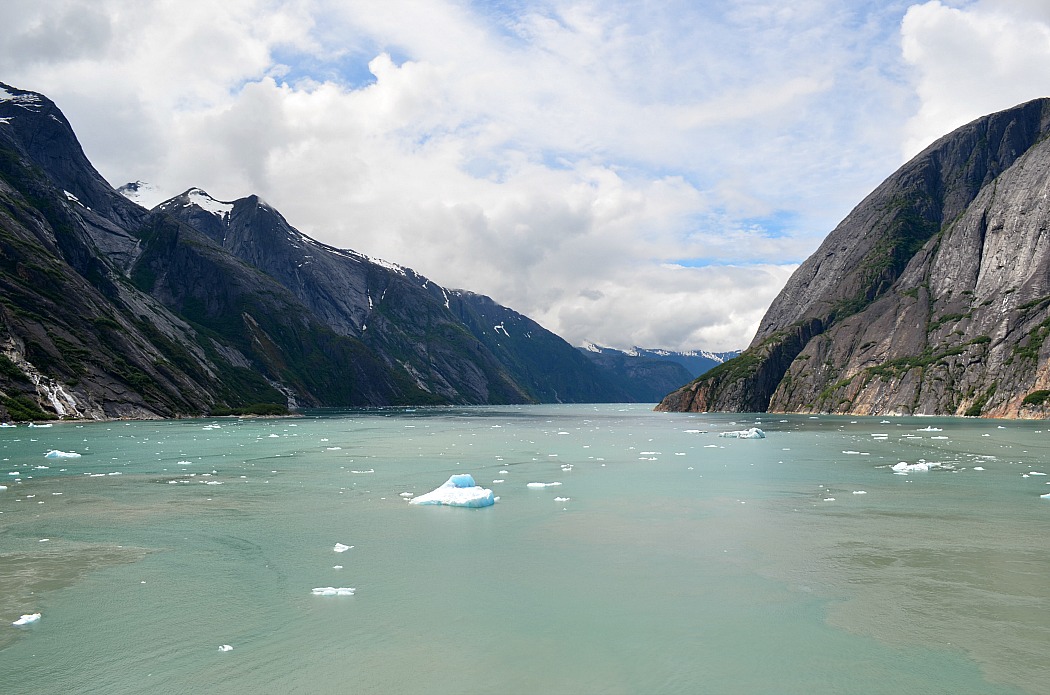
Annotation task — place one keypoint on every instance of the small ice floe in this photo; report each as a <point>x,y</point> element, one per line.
<point>929,428</point>
<point>978,468</point>
<point>340,548</point>
<point>184,463</point>
<point>497,481</point>
<point>750,433</point>
<point>27,619</point>
<point>535,486</point>
<point>1035,473</point>
<point>333,591</point>
<point>562,499</point>
<point>904,468</point>
<point>370,470</point>
<point>1045,497</point>
<point>406,495</point>
<point>459,490</point>
<point>860,492</point>
<point>337,567</point>
<point>56,454</point>
<point>33,424</point>
<point>225,648</point>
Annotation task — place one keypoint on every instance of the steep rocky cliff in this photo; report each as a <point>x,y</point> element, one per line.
<point>931,297</point>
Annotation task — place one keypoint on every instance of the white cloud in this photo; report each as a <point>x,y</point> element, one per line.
<point>973,60</point>
<point>567,158</point>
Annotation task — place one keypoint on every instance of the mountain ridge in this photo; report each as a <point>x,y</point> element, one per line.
<point>111,310</point>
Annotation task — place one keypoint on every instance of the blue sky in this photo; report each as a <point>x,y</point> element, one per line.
<point>628,173</point>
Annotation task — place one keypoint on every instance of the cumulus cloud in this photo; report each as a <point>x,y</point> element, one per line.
<point>973,60</point>
<point>625,173</point>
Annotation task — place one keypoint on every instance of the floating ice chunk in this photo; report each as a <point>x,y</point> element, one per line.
<point>225,648</point>
<point>1035,473</point>
<point>459,490</point>
<point>562,499</point>
<point>340,548</point>
<point>751,433</point>
<point>905,467</point>
<point>333,591</point>
<point>56,454</point>
<point>929,428</point>
<point>407,494</point>
<point>860,492</point>
<point>539,485</point>
<point>1042,497</point>
<point>27,619</point>
<point>978,468</point>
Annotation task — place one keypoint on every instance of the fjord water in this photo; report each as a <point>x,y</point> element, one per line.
<point>681,562</point>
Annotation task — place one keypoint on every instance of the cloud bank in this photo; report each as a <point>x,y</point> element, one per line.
<point>624,173</point>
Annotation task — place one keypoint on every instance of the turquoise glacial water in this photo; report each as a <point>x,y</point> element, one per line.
<point>680,562</point>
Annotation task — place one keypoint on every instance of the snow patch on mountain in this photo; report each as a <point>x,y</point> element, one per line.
<point>27,100</point>
<point>201,199</point>
<point>142,193</point>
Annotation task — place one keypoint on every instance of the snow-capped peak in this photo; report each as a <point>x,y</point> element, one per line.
<point>200,198</point>
<point>139,192</point>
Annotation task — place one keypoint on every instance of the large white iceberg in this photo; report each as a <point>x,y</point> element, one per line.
<point>752,433</point>
<point>458,491</point>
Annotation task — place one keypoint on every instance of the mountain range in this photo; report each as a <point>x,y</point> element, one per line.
<point>201,306</point>
<point>931,297</point>
<point>650,374</point>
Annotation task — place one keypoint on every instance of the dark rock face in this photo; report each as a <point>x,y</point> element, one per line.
<point>931,297</point>
<point>199,306</point>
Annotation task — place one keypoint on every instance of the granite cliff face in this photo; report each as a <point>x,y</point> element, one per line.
<point>201,306</point>
<point>931,297</point>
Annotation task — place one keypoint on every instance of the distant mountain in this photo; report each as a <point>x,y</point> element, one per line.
<point>202,306</point>
<point>931,297</point>
<point>649,375</point>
